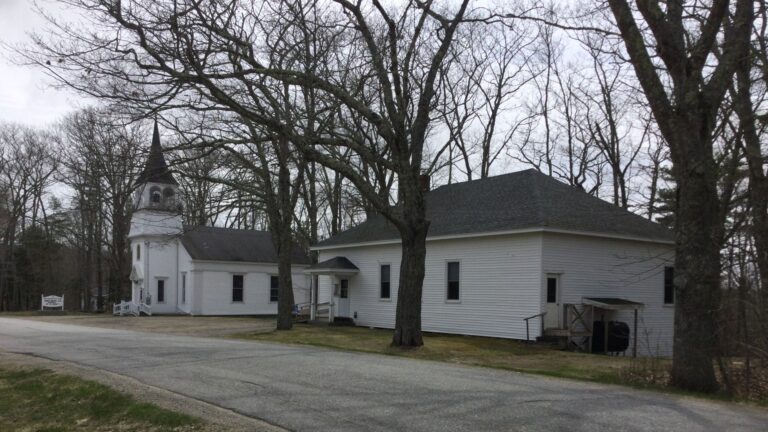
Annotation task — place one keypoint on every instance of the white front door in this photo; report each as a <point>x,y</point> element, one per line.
<point>343,299</point>
<point>552,318</point>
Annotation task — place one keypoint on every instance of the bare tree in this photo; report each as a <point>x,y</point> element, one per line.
<point>28,169</point>
<point>685,97</point>
<point>231,55</point>
<point>100,162</point>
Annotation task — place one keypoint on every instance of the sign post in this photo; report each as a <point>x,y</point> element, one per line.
<point>51,301</point>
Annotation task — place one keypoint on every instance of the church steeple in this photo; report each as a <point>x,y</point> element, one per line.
<point>156,170</point>
<point>156,189</point>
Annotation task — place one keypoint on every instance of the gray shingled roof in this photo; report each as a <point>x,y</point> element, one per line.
<point>521,200</point>
<point>156,170</point>
<point>224,244</point>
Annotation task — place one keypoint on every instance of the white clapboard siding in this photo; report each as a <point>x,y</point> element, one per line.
<point>216,287</point>
<point>186,268</point>
<point>499,282</point>
<point>161,257</point>
<point>600,267</point>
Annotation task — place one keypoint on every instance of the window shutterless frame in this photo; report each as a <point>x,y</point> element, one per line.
<point>453,281</point>
<point>274,288</point>
<point>385,284</point>
<point>183,288</point>
<point>160,291</point>
<point>669,285</point>
<point>238,288</point>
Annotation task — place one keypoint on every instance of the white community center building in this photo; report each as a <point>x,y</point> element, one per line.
<point>518,256</point>
<point>198,270</point>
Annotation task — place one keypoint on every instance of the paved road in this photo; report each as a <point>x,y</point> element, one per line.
<point>311,389</point>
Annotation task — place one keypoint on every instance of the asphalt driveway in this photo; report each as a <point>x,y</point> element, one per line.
<point>313,389</point>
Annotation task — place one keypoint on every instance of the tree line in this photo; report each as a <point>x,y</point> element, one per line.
<point>303,116</point>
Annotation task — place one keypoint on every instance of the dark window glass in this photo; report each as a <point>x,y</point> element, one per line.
<point>344,290</point>
<point>168,198</point>
<point>551,290</point>
<point>384,293</point>
<point>237,288</point>
<point>274,288</point>
<point>453,281</point>
<point>160,290</point>
<point>669,285</point>
<point>138,252</point>
<point>154,195</point>
<point>183,287</point>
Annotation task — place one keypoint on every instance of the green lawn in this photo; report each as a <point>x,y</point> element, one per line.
<point>45,401</point>
<point>470,350</point>
<point>650,373</point>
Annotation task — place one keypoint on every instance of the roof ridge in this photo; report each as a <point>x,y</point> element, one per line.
<point>489,178</point>
<point>190,228</point>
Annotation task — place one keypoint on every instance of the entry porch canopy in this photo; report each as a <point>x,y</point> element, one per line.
<point>612,303</point>
<point>615,304</point>
<point>336,266</point>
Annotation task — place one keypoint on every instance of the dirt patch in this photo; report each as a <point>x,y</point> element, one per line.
<point>216,418</point>
<point>175,325</point>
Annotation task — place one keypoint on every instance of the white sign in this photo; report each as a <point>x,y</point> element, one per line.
<point>52,301</point>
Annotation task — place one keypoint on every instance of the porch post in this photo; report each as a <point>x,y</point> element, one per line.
<point>312,298</point>
<point>634,337</point>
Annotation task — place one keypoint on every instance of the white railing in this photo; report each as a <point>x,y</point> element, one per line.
<point>145,309</point>
<point>131,308</point>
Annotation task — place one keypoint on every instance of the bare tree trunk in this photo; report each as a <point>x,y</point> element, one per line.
<point>285,289</point>
<point>697,281</point>
<point>409,293</point>
<point>412,263</point>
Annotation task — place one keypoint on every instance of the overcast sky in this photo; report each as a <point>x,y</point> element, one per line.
<point>25,93</point>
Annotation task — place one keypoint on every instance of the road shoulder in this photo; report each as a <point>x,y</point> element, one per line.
<point>220,419</point>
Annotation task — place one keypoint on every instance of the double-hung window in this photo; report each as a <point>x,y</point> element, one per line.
<point>237,288</point>
<point>384,292</point>
<point>453,286</point>
<point>669,285</point>
<point>161,290</point>
<point>274,288</point>
<point>183,288</point>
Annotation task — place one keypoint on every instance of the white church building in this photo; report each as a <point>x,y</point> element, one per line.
<point>198,270</point>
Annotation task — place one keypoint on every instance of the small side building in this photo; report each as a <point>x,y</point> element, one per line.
<point>198,270</point>
<point>518,256</point>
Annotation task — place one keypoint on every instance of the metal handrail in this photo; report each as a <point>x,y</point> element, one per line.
<point>534,316</point>
<point>527,331</point>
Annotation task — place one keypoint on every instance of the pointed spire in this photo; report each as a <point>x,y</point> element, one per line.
<point>156,139</point>
<point>156,170</point>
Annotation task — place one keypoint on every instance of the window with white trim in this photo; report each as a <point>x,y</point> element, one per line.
<point>183,288</point>
<point>237,288</point>
<point>274,288</point>
<point>669,285</point>
<point>453,270</point>
<point>161,290</point>
<point>384,290</point>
